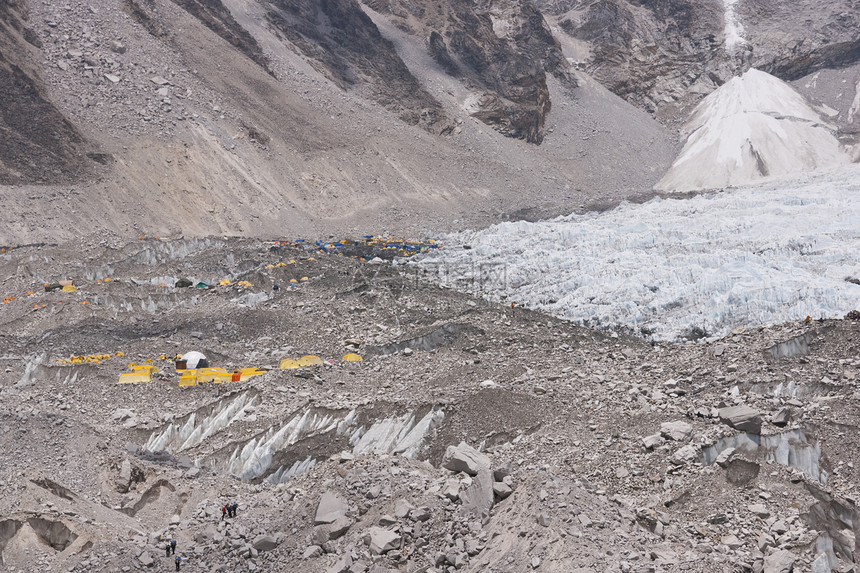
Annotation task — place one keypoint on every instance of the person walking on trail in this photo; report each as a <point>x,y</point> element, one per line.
<point>178,561</point>
<point>173,546</point>
<point>168,550</point>
<point>223,512</point>
<point>235,507</point>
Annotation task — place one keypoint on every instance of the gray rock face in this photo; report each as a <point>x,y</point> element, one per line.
<point>265,543</point>
<point>380,540</point>
<point>331,508</point>
<point>780,561</point>
<point>465,458</point>
<point>742,418</point>
<point>478,497</point>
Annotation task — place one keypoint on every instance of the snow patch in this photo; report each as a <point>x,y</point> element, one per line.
<point>754,127</point>
<point>670,268</point>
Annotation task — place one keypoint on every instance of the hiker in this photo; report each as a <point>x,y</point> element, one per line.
<point>178,561</point>
<point>235,507</point>
<point>168,550</point>
<point>223,512</point>
<point>173,546</point>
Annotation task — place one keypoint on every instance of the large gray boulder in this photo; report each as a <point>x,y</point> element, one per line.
<point>465,458</point>
<point>265,543</point>
<point>380,540</point>
<point>781,561</point>
<point>478,497</point>
<point>680,431</point>
<point>332,506</point>
<point>123,480</point>
<point>742,418</point>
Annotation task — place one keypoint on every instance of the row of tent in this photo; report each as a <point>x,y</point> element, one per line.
<point>312,360</point>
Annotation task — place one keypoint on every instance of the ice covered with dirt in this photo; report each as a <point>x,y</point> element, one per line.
<point>677,268</point>
<point>754,127</point>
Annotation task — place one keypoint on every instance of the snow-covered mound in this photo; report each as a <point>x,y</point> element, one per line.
<point>753,127</point>
<point>678,268</point>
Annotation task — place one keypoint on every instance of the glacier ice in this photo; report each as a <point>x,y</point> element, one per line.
<point>791,449</point>
<point>403,435</point>
<point>759,255</point>
<point>179,436</point>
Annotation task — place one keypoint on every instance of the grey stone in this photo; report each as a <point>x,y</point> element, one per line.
<point>731,541</point>
<point>465,458</point>
<point>265,543</point>
<point>680,431</point>
<point>402,508</point>
<point>821,564</point>
<point>342,565</point>
<point>146,559</point>
<point>742,418</point>
<point>780,561</point>
<point>312,551</point>
<point>117,47</point>
<point>543,519</point>
<point>420,514</point>
<point>452,489</point>
<point>478,497</point>
<point>724,457</point>
<point>329,531</point>
<point>783,417</point>
<point>685,455</point>
<point>175,520</point>
<point>112,78</point>
<point>123,480</point>
<point>331,508</point>
<point>759,510</point>
<point>380,540</point>
<point>502,490</point>
<point>651,442</point>
<point>159,81</point>
<point>192,473</point>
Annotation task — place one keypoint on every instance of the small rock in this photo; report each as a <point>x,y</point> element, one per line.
<point>679,430</point>
<point>780,561</point>
<point>380,540</point>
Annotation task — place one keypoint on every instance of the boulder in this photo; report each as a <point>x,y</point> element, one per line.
<point>783,417</point>
<point>679,430</point>
<point>312,551</point>
<point>465,458</point>
<point>123,480</point>
<point>329,531</point>
<point>478,497</point>
<point>342,565</point>
<point>380,540</point>
<point>759,510</point>
<point>780,561</point>
<point>686,454</point>
<point>502,490</point>
<point>331,508</point>
<point>146,559</point>
<point>265,543</point>
<point>724,457</point>
<point>741,418</point>
<point>651,442</point>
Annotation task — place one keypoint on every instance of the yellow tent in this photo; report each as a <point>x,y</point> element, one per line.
<point>188,379</point>
<point>289,364</point>
<point>310,360</point>
<point>352,357</point>
<point>134,377</point>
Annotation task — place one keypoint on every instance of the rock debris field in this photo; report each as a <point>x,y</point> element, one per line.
<point>472,436</point>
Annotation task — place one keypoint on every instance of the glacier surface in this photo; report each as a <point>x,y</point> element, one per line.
<point>676,269</point>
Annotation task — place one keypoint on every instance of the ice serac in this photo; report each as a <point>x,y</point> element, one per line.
<point>754,127</point>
